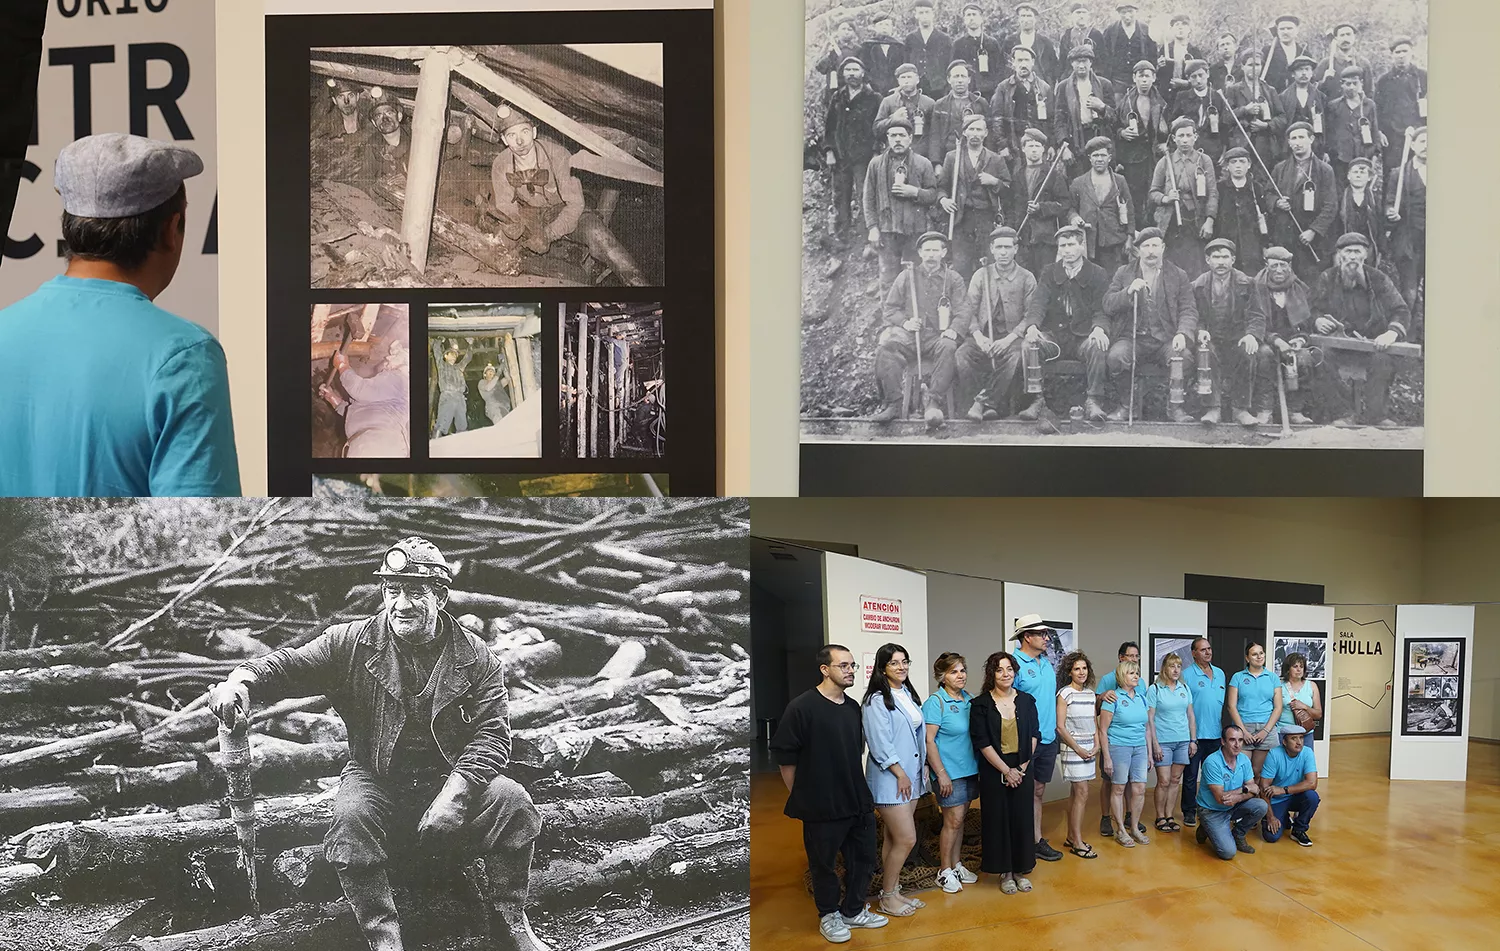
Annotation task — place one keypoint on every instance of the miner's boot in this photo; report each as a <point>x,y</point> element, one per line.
<point>369,892</point>
<point>1033,412</point>
<point>933,413</point>
<point>889,411</point>
<point>509,929</point>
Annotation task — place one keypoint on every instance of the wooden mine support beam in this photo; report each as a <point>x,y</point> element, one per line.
<point>429,129</point>
<point>605,206</point>
<point>594,395</point>
<point>512,371</point>
<point>614,399</point>
<point>581,393</point>
<point>562,356</point>
<point>528,369</point>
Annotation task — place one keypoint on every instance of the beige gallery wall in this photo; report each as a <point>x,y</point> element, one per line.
<point>1463,337</point>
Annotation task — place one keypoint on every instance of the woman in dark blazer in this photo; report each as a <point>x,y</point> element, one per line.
<point>1003,726</point>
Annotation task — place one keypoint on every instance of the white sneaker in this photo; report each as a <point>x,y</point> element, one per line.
<point>833,927</point>
<point>964,875</point>
<point>948,879</point>
<point>866,919</point>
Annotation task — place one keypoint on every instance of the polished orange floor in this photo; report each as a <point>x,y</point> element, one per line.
<point>1399,866</point>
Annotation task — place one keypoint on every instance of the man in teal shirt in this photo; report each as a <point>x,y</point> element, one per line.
<point>1229,801</point>
<point>1038,678</point>
<point>1207,683</point>
<point>1289,783</point>
<point>105,393</point>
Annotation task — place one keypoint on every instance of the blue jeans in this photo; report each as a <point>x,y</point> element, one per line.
<point>1302,805</point>
<point>1225,825</point>
<point>1206,748</point>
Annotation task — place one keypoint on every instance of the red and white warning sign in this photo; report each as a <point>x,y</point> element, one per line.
<point>879,615</point>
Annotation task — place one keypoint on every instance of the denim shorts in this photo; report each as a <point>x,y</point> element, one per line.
<point>1176,754</point>
<point>965,791</point>
<point>1128,763</point>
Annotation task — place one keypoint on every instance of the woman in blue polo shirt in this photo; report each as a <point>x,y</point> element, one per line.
<point>1171,729</point>
<point>1123,722</point>
<point>950,756</point>
<point>1254,704</point>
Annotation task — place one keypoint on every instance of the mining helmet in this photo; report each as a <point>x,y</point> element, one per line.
<point>415,558</point>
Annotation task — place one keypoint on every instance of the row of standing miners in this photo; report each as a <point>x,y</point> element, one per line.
<point>1151,158</point>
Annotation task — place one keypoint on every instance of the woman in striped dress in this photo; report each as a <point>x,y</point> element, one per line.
<point>1076,729</point>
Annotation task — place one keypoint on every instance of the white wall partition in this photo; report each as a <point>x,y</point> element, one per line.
<point>1175,623</point>
<point>1306,629</point>
<point>852,584</point>
<point>1434,676</point>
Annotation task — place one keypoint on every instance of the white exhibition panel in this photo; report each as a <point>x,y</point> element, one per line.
<point>1431,757</point>
<point>847,583</point>
<point>1170,616</point>
<point>1052,604</point>
<point>1313,620</point>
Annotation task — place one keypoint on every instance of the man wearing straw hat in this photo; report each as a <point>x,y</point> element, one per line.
<point>537,198</point>
<point>1037,677</point>
<point>429,744</point>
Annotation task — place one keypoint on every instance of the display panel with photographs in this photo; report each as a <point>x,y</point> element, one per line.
<point>1312,649</point>
<point>487,165</point>
<point>361,381</point>
<point>1169,642</point>
<point>1432,698</point>
<point>612,361</point>
<point>452,485</point>
<point>1022,226</point>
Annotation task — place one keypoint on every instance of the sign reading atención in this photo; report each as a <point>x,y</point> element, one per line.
<point>879,615</point>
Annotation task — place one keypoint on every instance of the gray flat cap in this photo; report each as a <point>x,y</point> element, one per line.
<point>114,175</point>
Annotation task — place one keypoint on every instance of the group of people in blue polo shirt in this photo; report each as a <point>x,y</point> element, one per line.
<point>1236,750</point>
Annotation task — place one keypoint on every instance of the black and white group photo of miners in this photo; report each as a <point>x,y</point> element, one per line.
<point>1154,223</point>
<point>487,166</point>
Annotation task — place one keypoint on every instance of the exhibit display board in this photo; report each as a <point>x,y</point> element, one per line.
<point>1169,626</point>
<point>145,67</point>
<point>1434,671</point>
<point>500,176</point>
<point>867,604</point>
<point>1057,607</point>
<point>1305,629</point>
<point>1361,693</point>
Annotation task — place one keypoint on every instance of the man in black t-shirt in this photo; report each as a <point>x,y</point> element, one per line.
<point>818,746</point>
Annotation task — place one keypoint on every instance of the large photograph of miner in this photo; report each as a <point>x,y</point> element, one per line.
<point>487,166</point>
<point>1153,223</point>
<point>297,724</point>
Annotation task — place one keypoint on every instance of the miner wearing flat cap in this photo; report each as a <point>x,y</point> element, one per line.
<point>843,43</point>
<point>1201,102</point>
<point>952,112</point>
<point>940,320</point>
<point>981,51</point>
<point>930,49</point>
<point>909,104</point>
<point>1330,69</point>
<point>151,415</point>
<point>1278,56</point>
<point>1401,96</point>
<point>1408,222</point>
<point>1072,300</point>
<point>1126,42</point>
<point>1353,124</point>
<point>537,197</point>
<point>1286,300</point>
<point>1302,100</point>
<point>1354,298</point>
<point>1007,308</point>
<point>1022,101</point>
<point>1185,198</point>
<point>1154,298</point>
<point>976,200</point>
<point>882,53</point>
<point>1102,204</point>
<point>1360,209</point>
<point>1029,37</point>
<point>1244,199</point>
<point>1257,107</point>
<point>1231,334</point>
<point>1142,132</point>
<point>1305,203</point>
<point>849,141</point>
<point>429,746</point>
<point>1176,53</point>
<point>1080,31</point>
<point>1085,106</point>
<point>900,189</point>
<point>1039,200</point>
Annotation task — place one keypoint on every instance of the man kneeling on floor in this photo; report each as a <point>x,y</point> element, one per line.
<point>1229,801</point>
<point>926,312</point>
<point>1289,784</point>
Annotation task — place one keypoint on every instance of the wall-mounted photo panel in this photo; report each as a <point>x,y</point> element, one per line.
<point>451,485</point>
<point>1430,721</point>
<point>361,381</point>
<point>1306,629</point>
<point>484,371</point>
<point>612,368</point>
<point>1169,626</point>
<point>1058,608</point>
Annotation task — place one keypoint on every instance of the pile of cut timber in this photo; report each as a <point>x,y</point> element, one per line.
<point>623,628</point>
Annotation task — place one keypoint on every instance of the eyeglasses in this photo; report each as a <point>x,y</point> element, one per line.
<point>898,663</point>
<point>849,666</point>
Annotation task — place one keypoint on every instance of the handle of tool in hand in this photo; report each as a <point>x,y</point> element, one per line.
<point>1172,177</point>
<point>1401,172</point>
<point>234,749</point>
<point>1269,177</point>
<point>911,287</point>
<point>1039,189</point>
<point>958,158</point>
<point>1135,323</point>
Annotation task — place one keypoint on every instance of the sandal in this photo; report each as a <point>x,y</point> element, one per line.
<point>1083,851</point>
<point>1124,839</point>
<point>1172,825</point>
<point>1009,886</point>
<point>1023,883</point>
<point>1161,824</point>
<point>891,903</point>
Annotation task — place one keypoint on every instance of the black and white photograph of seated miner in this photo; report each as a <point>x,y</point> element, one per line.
<point>487,166</point>
<point>310,725</point>
<point>1169,223</point>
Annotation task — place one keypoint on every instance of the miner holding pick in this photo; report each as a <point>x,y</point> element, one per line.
<point>429,741</point>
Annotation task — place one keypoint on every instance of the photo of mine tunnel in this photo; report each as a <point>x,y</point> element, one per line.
<point>487,166</point>
<point>360,381</point>
<point>612,378</point>
<point>484,370</point>
<point>453,485</point>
